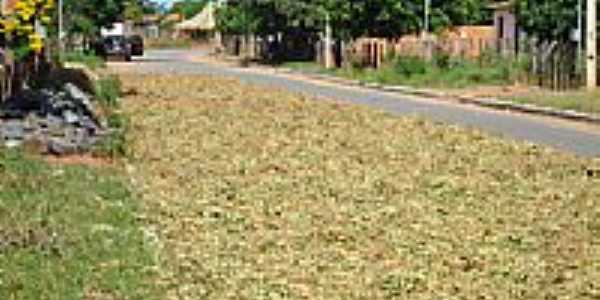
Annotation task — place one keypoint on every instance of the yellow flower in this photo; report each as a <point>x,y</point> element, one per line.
<point>26,29</point>
<point>19,27</point>
<point>9,25</point>
<point>35,43</point>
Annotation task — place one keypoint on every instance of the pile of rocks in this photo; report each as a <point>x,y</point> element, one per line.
<point>60,121</point>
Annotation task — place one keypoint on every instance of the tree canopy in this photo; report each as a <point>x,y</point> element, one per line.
<point>350,19</point>
<point>188,8</point>
<point>548,19</point>
<point>88,17</point>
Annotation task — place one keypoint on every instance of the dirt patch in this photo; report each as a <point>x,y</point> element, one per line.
<point>80,160</point>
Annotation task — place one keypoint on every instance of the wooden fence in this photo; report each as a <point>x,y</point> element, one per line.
<point>551,65</point>
<point>371,51</point>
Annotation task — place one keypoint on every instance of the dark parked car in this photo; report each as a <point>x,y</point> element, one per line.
<point>137,45</point>
<point>115,46</point>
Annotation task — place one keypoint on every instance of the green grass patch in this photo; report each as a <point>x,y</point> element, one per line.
<point>90,60</point>
<point>69,232</point>
<point>114,145</point>
<point>441,72</point>
<point>108,93</point>
<point>582,101</point>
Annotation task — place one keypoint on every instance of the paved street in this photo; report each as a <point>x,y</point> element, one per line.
<point>576,138</point>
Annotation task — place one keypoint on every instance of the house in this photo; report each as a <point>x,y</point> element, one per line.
<point>202,25</point>
<point>148,26</point>
<point>172,18</point>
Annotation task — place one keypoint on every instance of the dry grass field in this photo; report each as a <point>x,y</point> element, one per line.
<point>254,193</point>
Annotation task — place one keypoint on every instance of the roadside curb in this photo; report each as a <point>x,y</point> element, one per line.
<point>492,103</point>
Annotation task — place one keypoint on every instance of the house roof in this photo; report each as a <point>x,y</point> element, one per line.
<point>205,20</point>
<point>174,17</point>
<point>151,18</point>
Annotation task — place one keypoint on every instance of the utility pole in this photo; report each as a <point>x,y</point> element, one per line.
<point>426,25</point>
<point>580,35</point>
<point>426,40</point>
<point>60,28</point>
<point>218,34</point>
<point>592,50</point>
<point>328,38</point>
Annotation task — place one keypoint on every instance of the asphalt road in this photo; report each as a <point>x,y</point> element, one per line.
<point>563,135</point>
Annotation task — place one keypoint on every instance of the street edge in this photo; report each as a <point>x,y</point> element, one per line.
<point>490,102</point>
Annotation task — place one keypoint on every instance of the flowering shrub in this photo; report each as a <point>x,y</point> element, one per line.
<point>19,27</point>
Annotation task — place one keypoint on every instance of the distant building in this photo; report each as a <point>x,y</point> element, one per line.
<point>149,26</point>
<point>202,25</point>
<point>172,18</point>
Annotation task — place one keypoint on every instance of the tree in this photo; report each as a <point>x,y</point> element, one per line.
<point>134,11</point>
<point>18,28</point>
<point>86,18</point>
<point>548,20</point>
<point>351,19</point>
<point>150,7</point>
<point>188,8</point>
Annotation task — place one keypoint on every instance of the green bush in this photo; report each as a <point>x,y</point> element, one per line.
<point>442,71</point>
<point>442,60</point>
<point>115,144</point>
<point>445,71</point>
<point>112,146</point>
<point>108,91</point>
<point>410,65</point>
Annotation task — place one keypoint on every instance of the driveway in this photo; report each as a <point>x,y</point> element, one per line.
<point>573,137</point>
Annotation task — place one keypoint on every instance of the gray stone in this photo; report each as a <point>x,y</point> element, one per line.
<point>82,139</point>
<point>54,121</point>
<point>12,130</point>
<point>75,92</point>
<point>90,125</point>
<point>31,123</point>
<point>80,96</point>
<point>62,122</point>
<point>50,123</point>
<point>70,117</point>
<point>61,147</point>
